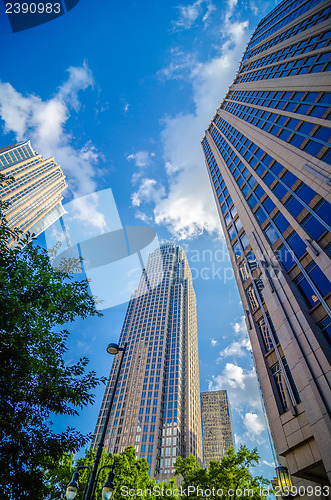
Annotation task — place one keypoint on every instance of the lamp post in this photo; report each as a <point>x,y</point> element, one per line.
<point>108,487</point>
<point>72,487</point>
<point>111,349</point>
<point>284,482</point>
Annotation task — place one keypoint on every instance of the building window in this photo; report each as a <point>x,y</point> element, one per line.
<point>260,215</point>
<point>319,278</point>
<point>281,222</point>
<point>325,327</point>
<point>244,240</point>
<point>323,210</point>
<point>313,227</point>
<point>285,257</point>
<point>237,250</point>
<point>280,385</point>
<point>294,206</point>
<point>232,232</point>
<point>252,299</point>
<point>271,234</point>
<point>252,262</point>
<point>297,245</point>
<point>305,193</point>
<point>260,286</point>
<point>306,291</point>
<point>279,381</point>
<point>243,271</point>
<point>265,334</point>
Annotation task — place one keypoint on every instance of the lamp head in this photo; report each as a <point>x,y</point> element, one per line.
<point>72,487</point>
<point>113,348</point>
<point>284,481</point>
<point>108,487</point>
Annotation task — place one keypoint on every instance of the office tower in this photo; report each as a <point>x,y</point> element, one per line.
<point>216,425</point>
<point>35,196</point>
<point>268,156</point>
<point>157,403</point>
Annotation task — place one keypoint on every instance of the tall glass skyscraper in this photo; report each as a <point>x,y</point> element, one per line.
<point>216,424</point>
<point>157,401</point>
<point>268,154</point>
<point>35,196</point>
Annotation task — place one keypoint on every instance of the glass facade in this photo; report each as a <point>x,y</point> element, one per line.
<point>268,155</point>
<point>34,198</point>
<point>217,425</point>
<point>157,403</point>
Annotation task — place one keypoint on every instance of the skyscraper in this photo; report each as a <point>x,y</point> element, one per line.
<point>157,402</point>
<point>268,155</point>
<point>216,425</point>
<point>35,196</point>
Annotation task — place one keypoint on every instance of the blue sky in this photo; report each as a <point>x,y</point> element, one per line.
<point>120,93</point>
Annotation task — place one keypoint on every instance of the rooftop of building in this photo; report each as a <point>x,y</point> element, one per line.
<point>13,146</point>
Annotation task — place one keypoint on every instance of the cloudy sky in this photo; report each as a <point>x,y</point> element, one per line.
<point>120,93</point>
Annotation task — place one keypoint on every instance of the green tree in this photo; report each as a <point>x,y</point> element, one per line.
<point>35,381</point>
<point>229,479</point>
<point>131,476</point>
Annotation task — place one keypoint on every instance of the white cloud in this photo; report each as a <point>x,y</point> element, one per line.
<point>232,3</point>
<point>80,78</point>
<point>241,385</point>
<point>239,347</point>
<point>44,122</point>
<point>149,191</point>
<point>141,158</point>
<point>240,327</point>
<point>188,14</point>
<point>187,207</point>
<point>254,423</point>
<point>268,464</point>
<point>243,392</point>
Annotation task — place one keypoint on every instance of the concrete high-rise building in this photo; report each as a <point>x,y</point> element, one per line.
<point>216,425</point>
<point>35,196</point>
<point>157,402</point>
<point>268,154</point>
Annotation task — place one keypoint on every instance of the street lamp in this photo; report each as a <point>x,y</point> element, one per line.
<point>111,349</point>
<point>108,487</point>
<point>72,487</point>
<point>284,482</point>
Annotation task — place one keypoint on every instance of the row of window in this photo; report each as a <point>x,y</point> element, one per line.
<point>280,385</point>
<point>315,104</point>
<point>312,269</point>
<point>266,335</point>
<point>268,170</point>
<point>300,66</point>
<point>312,43</point>
<point>254,302</point>
<point>291,12</point>
<point>290,130</point>
<point>294,241</point>
<point>16,155</point>
<point>292,31</point>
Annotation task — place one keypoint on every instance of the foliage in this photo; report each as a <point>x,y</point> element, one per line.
<point>131,475</point>
<point>231,478</point>
<point>35,380</point>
